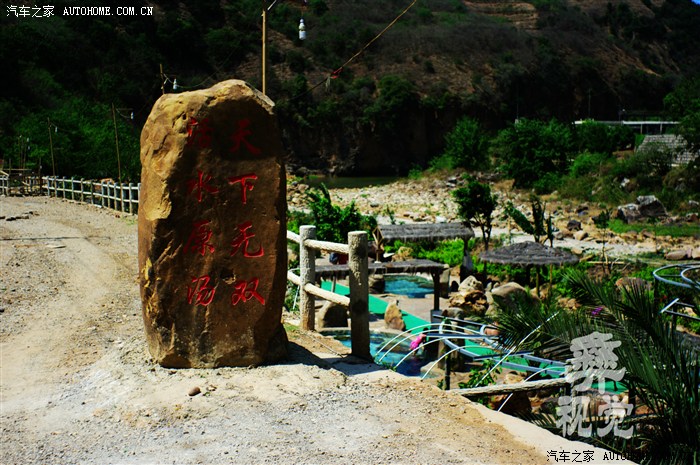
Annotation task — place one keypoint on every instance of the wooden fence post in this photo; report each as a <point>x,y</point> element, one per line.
<point>138,196</point>
<point>307,273</point>
<point>359,294</point>
<point>129,197</point>
<point>121,196</point>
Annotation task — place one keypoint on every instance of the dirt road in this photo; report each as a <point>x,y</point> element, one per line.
<point>77,384</point>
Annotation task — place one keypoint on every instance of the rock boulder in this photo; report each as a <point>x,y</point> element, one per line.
<point>211,225</point>
<point>332,316</point>
<point>393,317</point>
<point>510,295</point>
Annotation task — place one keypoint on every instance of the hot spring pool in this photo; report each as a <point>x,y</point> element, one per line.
<point>409,367</point>
<point>408,285</point>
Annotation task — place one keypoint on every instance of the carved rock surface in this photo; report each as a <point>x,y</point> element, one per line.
<point>212,237</point>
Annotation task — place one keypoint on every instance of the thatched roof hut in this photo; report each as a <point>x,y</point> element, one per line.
<point>527,254</point>
<point>415,232</point>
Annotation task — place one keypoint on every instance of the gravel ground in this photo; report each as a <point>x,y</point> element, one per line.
<point>78,387</point>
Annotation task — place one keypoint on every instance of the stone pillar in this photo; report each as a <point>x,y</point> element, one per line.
<point>307,272</point>
<point>359,294</point>
<point>212,229</point>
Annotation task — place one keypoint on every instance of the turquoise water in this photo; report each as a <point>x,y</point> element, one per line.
<point>409,367</point>
<point>410,286</point>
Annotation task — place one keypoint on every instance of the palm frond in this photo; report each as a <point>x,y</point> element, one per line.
<point>662,368</point>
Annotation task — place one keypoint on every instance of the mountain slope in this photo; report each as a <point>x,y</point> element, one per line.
<point>386,110</point>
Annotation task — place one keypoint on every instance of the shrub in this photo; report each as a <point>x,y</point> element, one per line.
<point>466,146</point>
<point>333,223</point>
<point>588,163</point>
<point>449,252</point>
<point>530,149</point>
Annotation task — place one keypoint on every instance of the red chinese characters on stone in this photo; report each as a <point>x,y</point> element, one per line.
<point>242,241</point>
<point>199,133</point>
<point>200,185</point>
<point>246,290</point>
<point>201,293</point>
<point>246,184</point>
<point>200,236</point>
<point>241,137</point>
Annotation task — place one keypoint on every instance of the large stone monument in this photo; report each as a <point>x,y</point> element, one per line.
<point>212,229</point>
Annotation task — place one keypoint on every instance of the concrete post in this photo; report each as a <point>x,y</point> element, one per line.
<point>307,273</point>
<point>359,294</point>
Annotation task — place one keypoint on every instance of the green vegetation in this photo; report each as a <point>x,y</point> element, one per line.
<point>541,225</point>
<point>449,252</point>
<point>530,150</point>
<point>482,375</point>
<point>68,71</point>
<point>684,104</point>
<point>662,369</point>
<point>476,204</point>
<point>332,222</point>
<point>674,230</point>
<point>466,146</point>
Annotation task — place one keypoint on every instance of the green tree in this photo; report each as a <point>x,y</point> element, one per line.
<point>595,137</point>
<point>397,96</point>
<point>684,104</point>
<point>476,204</point>
<point>466,146</point>
<point>530,149</point>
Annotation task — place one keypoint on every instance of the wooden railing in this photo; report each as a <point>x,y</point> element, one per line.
<point>109,194</point>
<point>358,300</point>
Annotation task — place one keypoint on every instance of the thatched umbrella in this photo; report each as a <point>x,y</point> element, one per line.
<point>528,254</point>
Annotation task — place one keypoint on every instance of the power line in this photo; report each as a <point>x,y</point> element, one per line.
<point>336,73</point>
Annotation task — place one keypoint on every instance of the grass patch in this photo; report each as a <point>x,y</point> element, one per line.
<point>449,252</point>
<point>673,230</point>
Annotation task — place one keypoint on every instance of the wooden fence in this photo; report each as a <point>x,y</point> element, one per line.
<point>109,194</point>
<point>357,301</point>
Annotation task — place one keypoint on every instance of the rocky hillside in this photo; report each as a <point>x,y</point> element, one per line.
<point>384,110</point>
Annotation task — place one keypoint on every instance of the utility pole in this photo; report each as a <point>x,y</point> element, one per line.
<point>264,47</point>
<point>53,161</point>
<point>116,143</point>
